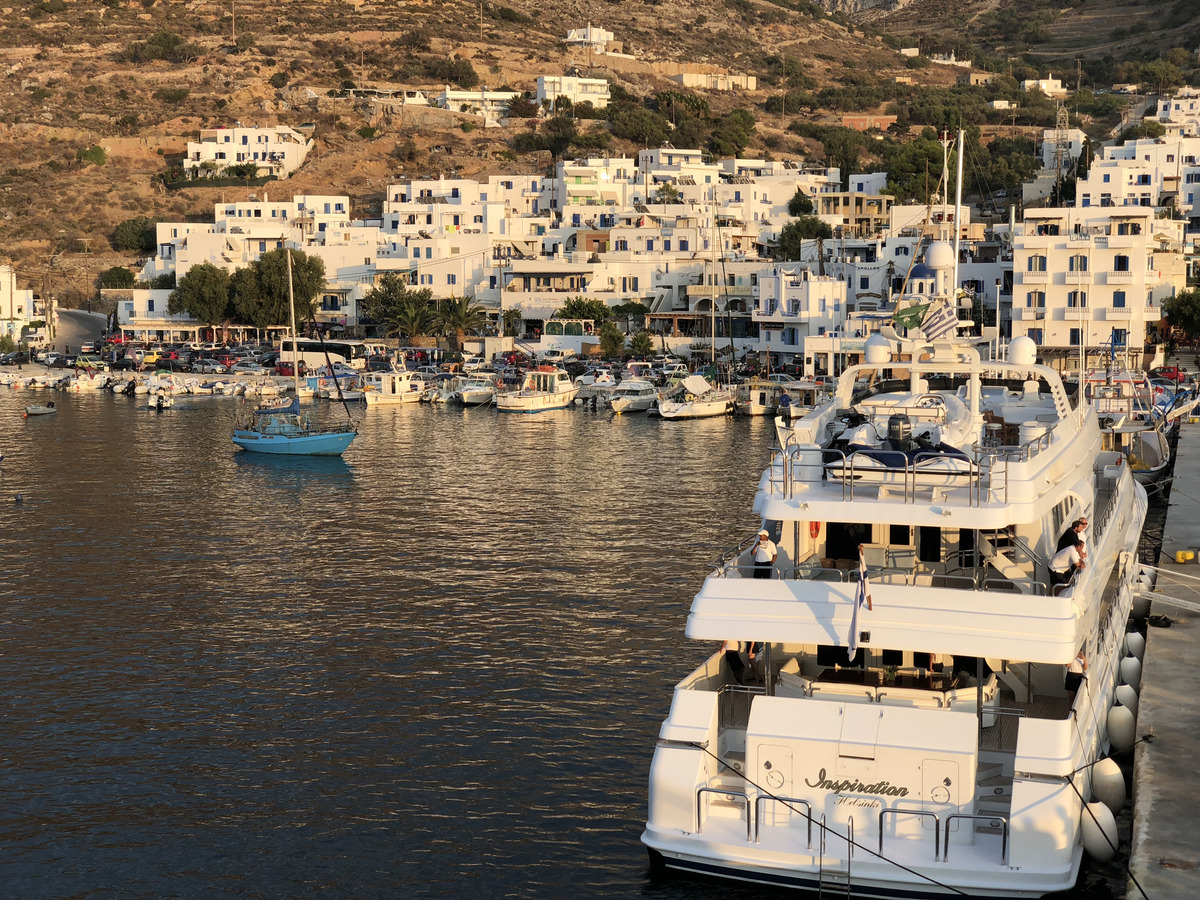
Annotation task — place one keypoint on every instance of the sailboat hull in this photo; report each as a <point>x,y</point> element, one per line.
<point>328,444</point>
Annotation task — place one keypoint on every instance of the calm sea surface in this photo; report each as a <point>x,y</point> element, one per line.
<point>435,666</point>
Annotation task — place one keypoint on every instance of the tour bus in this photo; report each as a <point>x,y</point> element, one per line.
<point>314,354</point>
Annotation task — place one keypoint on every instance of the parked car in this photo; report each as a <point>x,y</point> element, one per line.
<point>379,364</point>
<point>1172,373</point>
<point>14,358</point>
<point>172,365</point>
<point>246,367</point>
<point>124,364</point>
<point>209,367</point>
<point>284,367</point>
<point>63,362</point>
<point>88,347</point>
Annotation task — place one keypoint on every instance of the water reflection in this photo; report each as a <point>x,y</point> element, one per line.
<point>435,665</point>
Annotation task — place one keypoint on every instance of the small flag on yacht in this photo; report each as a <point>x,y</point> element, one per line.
<point>862,597</point>
<point>939,321</point>
<point>910,317</point>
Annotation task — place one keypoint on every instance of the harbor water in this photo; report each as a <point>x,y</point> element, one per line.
<point>435,666</point>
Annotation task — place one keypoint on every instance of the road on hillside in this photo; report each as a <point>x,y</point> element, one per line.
<point>76,326</point>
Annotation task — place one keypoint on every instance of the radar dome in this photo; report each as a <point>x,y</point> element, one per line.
<point>940,255</point>
<point>1022,351</point>
<point>877,351</point>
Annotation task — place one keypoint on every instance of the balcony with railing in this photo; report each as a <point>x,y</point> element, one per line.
<point>1077,278</point>
<point>1028,277</point>
<point>1125,277</point>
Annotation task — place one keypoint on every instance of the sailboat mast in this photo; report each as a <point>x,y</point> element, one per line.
<point>957,225</point>
<point>295,336</point>
<point>712,331</point>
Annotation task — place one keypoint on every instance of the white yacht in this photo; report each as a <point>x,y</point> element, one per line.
<point>634,395</point>
<point>930,740</point>
<point>695,398</point>
<point>544,388</point>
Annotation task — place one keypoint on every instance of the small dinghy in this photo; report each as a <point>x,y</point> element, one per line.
<point>40,410</point>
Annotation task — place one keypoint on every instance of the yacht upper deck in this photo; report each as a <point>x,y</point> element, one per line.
<point>962,436</point>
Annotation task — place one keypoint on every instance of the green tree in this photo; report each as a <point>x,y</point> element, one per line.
<point>137,235</point>
<point>203,293</point>
<point>399,308</point>
<point>1183,312</point>
<point>510,322</point>
<point>612,341</point>
<point>116,277</point>
<point>795,233</point>
<point>641,344</point>
<point>246,297</point>
<point>522,108</point>
<point>308,278</point>
<point>801,204</point>
<point>630,311</point>
<point>582,308</point>
<point>667,193</point>
<point>457,316</point>
<point>732,134</point>
<point>633,123</point>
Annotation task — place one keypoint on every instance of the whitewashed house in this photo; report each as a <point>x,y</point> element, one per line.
<point>277,150</point>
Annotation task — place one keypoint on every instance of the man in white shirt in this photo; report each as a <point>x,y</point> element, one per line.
<point>765,553</point>
<point>1066,562</point>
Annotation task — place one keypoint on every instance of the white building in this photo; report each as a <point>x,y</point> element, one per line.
<point>551,88</point>
<point>793,305</point>
<point>1180,113</point>
<point>491,105</point>
<point>278,151</point>
<point>716,81</point>
<point>1072,147</point>
<point>590,38</point>
<point>16,306</point>
<point>1086,281</point>
<point>1051,87</point>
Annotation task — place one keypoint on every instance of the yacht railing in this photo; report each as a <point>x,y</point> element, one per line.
<point>937,827</point>
<point>971,581</point>
<point>769,798</point>
<point>987,471</point>
<point>728,792</point>
<point>1001,819</point>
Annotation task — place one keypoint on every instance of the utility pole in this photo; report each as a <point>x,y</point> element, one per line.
<point>1078,74</point>
<point>233,19</point>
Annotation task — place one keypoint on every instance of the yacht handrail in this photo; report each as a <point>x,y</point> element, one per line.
<point>729,793</point>
<point>761,798</point>
<point>1003,819</point>
<point>937,827</point>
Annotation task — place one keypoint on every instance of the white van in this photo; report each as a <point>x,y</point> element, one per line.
<point>556,357</point>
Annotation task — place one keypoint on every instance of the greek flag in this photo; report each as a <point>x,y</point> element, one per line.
<point>939,321</point>
<point>862,597</point>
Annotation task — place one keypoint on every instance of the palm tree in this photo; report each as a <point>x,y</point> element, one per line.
<point>510,322</point>
<point>459,315</point>
<point>414,318</point>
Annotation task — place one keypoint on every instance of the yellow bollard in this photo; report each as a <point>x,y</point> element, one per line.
<point>1184,556</point>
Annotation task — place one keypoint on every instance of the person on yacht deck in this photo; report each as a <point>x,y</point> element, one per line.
<point>765,553</point>
<point>1072,534</point>
<point>785,407</point>
<point>1067,562</point>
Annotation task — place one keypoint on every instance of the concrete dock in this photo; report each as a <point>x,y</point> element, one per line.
<point>1165,856</point>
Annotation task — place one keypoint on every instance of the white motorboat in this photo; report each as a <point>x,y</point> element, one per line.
<point>476,390</point>
<point>160,399</point>
<point>392,388</point>
<point>695,398</point>
<point>544,388</point>
<point>47,410</point>
<point>917,731</point>
<point>634,395</point>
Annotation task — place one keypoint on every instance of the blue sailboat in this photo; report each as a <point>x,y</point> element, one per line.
<point>286,431</point>
<point>283,430</point>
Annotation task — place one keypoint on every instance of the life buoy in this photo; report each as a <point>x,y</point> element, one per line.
<point>814,529</point>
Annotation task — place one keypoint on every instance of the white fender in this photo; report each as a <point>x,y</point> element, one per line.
<point>1136,645</point>
<point>1131,671</point>
<point>1108,785</point>
<point>1099,832</point>
<point>1122,728</point>
<point>1127,697</point>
